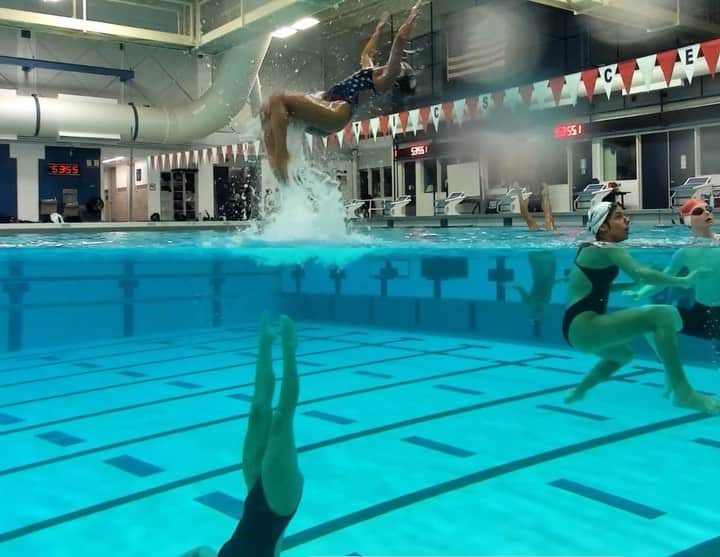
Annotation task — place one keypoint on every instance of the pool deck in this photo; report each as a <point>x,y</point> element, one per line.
<point>649,217</point>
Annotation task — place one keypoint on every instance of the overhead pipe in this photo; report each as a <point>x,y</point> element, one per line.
<point>57,118</point>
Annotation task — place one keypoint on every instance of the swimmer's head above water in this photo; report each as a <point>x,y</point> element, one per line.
<point>697,214</point>
<point>607,221</point>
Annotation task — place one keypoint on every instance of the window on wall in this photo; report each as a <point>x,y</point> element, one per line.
<point>410,178</point>
<point>620,158</point>
<point>430,175</point>
<point>709,149</point>
<point>364,184</point>
<point>376,185</point>
<point>387,181</point>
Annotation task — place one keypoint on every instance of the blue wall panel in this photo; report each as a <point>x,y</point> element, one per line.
<point>8,185</point>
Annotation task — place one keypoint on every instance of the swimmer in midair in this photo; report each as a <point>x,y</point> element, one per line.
<point>330,111</point>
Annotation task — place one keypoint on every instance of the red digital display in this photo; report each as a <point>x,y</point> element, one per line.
<point>63,169</point>
<point>413,152</point>
<point>570,131</point>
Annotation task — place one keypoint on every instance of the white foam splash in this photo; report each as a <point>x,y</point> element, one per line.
<point>308,213</point>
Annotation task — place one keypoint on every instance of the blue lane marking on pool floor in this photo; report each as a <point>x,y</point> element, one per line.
<point>437,446</point>
<point>134,466</point>
<point>87,365</point>
<point>571,412</point>
<point>223,503</point>
<point>461,390</point>
<point>608,499</point>
<point>241,396</point>
<point>60,438</point>
<point>707,442</point>
<point>132,373</point>
<point>183,384</point>
<point>7,419</point>
<point>328,417</point>
<point>709,548</point>
<point>373,374</point>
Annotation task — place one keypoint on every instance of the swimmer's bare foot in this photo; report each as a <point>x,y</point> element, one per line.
<point>573,395</point>
<point>697,401</point>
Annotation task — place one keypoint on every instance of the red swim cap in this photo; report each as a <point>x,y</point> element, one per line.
<point>690,205</point>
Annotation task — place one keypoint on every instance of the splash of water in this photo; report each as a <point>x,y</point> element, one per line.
<point>307,219</point>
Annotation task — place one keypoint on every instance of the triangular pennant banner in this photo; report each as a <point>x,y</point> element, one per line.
<point>384,120</point>
<point>348,133</point>
<point>556,85</point>
<point>626,70</point>
<point>472,107</point>
<point>447,109</point>
<point>711,50</point>
<point>424,117</point>
<point>325,141</point>
<point>498,98</point>
<point>607,75</point>
<point>403,121</point>
<point>512,98</point>
<point>688,58</point>
<point>393,123</point>
<point>356,130</point>
<point>365,126</point>
<point>340,136</point>
<point>258,148</point>
<point>234,151</point>
<point>246,149</point>
<point>646,64</point>
<point>526,92</point>
<point>572,86</point>
<point>667,64</point>
<point>436,111</point>
<point>310,140</point>
<point>414,119</point>
<point>589,78</point>
<point>459,111</point>
<point>375,126</point>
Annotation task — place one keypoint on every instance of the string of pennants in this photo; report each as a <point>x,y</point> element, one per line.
<point>565,90</point>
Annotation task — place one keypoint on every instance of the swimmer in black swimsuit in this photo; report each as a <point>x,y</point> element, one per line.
<point>331,111</point>
<point>589,328</point>
<point>270,465</point>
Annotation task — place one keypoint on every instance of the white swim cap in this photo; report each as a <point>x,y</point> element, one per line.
<point>597,215</point>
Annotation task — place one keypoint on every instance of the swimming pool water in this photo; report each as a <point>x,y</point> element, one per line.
<point>431,419</point>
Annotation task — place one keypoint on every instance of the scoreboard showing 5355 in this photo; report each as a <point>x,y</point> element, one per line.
<point>63,169</point>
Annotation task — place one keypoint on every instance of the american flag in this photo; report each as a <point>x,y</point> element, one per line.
<point>477,46</point>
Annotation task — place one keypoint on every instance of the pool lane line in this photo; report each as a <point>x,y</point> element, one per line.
<point>218,421</point>
<point>443,488</point>
<point>382,508</point>
<point>96,357</point>
<point>11,356</point>
<point>415,351</point>
<point>129,366</point>
<point>183,374</point>
<point>213,391</point>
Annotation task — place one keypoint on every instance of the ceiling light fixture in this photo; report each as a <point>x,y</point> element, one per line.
<point>284,32</point>
<point>305,23</point>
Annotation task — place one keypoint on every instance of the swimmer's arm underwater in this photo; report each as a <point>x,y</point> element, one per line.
<point>676,264</point>
<point>646,275</point>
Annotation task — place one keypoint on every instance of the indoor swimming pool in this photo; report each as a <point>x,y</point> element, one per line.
<point>431,418</point>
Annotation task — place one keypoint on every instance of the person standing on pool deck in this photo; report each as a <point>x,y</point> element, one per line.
<point>702,320</point>
<point>330,111</point>
<point>270,465</point>
<point>588,327</point>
